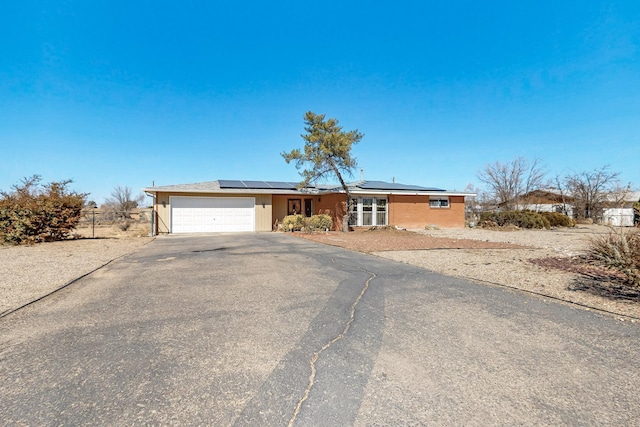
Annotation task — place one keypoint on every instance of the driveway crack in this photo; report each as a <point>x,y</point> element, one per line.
<point>316,355</point>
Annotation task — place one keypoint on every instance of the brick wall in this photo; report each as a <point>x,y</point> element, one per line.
<point>404,211</point>
<point>415,212</point>
<point>333,205</point>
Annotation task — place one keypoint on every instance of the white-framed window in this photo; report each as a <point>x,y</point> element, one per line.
<point>370,211</point>
<point>353,219</point>
<point>439,202</point>
<point>381,211</point>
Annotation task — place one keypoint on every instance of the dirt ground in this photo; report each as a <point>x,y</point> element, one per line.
<point>391,239</point>
<point>31,272</point>
<point>113,231</point>
<point>542,262</point>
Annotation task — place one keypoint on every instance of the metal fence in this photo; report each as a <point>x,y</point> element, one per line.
<point>94,218</point>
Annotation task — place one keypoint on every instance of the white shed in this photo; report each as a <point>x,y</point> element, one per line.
<point>618,217</point>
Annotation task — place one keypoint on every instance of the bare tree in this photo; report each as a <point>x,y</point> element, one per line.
<point>558,183</point>
<point>474,205</point>
<point>508,182</point>
<point>122,201</point>
<point>620,194</point>
<point>591,191</point>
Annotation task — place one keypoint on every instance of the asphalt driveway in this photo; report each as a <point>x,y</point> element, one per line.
<point>266,329</point>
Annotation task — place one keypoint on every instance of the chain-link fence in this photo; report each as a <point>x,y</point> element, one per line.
<point>93,221</point>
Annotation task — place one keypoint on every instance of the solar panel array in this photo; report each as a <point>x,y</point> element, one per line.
<point>280,185</point>
<point>380,185</point>
<point>257,185</point>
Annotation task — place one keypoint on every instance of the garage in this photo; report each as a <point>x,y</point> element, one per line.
<point>212,214</point>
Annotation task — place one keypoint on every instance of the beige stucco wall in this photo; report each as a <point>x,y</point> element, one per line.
<point>263,209</point>
<point>280,206</point>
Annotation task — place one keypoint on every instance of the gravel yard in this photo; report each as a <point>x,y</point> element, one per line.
<point>502,258</point>
<point>31,272</point>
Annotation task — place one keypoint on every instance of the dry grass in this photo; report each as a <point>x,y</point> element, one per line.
<point>30,272</point>
<point>618,251</point>
<point>545,262</point>
<point>379,239</point>
<point>113,231</point>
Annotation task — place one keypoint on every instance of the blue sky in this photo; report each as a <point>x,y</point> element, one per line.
<point>129,93</point>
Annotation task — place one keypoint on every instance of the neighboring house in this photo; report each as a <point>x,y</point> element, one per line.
<point>618,210</point>
<point>549,200</point>
<point>232,206</point>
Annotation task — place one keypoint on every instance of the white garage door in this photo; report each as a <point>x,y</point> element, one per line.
<point>212,214</point>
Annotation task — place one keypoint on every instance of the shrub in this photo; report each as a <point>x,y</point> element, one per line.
<point>557,219</point>
<point>586,221</point>
<point>618,251</point>
<point>299,222</point>
<point>521,219</point>
<point>319,222</point>
<point>34,213</point>
<point>293,223</point>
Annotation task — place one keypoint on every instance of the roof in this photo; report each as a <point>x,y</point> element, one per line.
<point>555,195</point>
<point>628,197</point>
<point>228,186</point>
<point>546,196</point>
<point>281,187</point>
<point>394,186</point>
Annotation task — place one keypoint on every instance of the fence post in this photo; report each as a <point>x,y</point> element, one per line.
<point>153,222</point>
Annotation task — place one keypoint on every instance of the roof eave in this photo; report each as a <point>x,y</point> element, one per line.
<point>399,192</point>
<point>225,191</point>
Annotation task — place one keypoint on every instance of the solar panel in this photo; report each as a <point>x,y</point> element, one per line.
<point>381,185</point>
<point>259,185</point>
<point>229,183</point>
<point>279,185</point>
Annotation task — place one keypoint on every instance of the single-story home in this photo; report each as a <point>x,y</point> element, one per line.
<point>547,200</point>
<point>235,205</point>
<point>617,209</point>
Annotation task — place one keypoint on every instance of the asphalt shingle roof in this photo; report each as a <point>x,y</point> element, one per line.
<point>280,187</point>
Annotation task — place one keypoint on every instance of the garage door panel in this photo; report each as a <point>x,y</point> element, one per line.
<point>212,214</point>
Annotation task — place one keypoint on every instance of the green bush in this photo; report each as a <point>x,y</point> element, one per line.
<point>293,223</point>
<point>319,222</point>
<point>618,251</point>
<point>521,219</point>
<point>34,213</point>
<point>299,222</point>
<point>557,219</point>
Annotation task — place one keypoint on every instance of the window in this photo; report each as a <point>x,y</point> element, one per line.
<point>439,202</point>
<point>381,212</point>
<point>294,207</point>
<point>353,219</point>
<point>369,211</point>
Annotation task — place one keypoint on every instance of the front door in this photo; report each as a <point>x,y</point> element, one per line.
<point>308,210</point>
